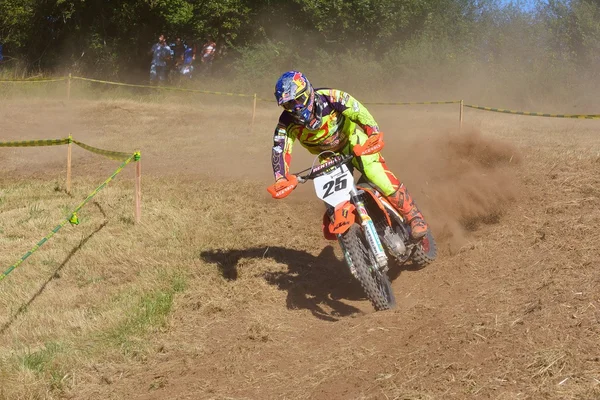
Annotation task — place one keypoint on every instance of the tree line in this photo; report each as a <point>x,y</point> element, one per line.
<point>108,37</point>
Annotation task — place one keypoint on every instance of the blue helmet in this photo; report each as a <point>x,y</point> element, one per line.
<point>296,95</point>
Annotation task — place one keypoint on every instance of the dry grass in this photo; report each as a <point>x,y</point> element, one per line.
<point>92,290</point>
<point>224,293</point>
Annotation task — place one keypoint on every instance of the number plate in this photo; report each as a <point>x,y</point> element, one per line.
<point>335,187</point>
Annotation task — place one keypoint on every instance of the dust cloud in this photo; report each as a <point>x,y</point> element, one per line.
<point>459,180</point>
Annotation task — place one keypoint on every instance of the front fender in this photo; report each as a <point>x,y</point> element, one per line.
<point>343,218</point>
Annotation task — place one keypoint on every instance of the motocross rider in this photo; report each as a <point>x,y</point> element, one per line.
<point>326,119</point>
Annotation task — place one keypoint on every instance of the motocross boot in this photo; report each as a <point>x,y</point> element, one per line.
<point>405,205</point>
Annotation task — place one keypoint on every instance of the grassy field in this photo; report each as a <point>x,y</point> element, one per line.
<point>224,293</point>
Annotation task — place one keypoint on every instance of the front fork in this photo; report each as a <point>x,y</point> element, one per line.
<point>370,233</point>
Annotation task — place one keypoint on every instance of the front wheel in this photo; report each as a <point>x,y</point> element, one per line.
<point>363,266</point>
<point>426,251</point>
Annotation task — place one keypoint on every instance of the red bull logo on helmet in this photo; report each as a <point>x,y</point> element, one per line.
<point>300,82</point>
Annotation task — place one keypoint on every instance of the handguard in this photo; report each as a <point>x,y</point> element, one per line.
<point>373,145</point>
<point>284,187</point>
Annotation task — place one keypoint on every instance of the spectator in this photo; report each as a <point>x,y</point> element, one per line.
<point>189,55</point>
<point>178,52</point>
<point>208,53</point>
<point>161,54</point>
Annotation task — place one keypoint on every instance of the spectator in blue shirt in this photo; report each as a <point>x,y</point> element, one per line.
<point>189,55</point>
<point>161,55</point>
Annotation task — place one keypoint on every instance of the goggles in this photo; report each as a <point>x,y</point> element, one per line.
<point>297,103</point>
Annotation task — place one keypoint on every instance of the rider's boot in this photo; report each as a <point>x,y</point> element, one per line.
<point>405,205</point>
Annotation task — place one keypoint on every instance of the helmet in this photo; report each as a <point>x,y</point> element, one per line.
<point>296,95</point>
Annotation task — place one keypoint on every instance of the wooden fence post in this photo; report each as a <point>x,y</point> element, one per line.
<point>138,189</point>
<point>253,113</point>
<point>69,87</point>
<point>69,149</point>
<point>460,116</point>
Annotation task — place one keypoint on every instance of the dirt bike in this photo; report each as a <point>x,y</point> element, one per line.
<point>366,225</point>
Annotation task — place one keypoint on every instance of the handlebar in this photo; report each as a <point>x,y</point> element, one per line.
<point>316,171</point>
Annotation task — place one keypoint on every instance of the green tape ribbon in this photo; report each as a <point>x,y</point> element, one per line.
<point>412,103</point>
<point>35,143</point>
<point>534,114</point>
<point>32,80</point>
<point>71,219</point>
<point>115,155</point>
<point>163,87</point>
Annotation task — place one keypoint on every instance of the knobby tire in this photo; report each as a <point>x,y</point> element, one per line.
<point>426,252</point>
<point>375,283</point>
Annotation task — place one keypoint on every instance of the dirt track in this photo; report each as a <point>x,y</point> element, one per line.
<point>510,310</point>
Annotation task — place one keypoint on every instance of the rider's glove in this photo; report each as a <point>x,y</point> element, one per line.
<point>373,145</point>
<point>283,187</point>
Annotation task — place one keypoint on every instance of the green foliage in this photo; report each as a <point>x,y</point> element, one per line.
<point>15,18</point>
<point>150,312</point>
<point>44,363</point>
<point>38,361</point>
<point>257,64</point>
<point>575,27</point>
<point>410,42</point>
<point>173,12</point>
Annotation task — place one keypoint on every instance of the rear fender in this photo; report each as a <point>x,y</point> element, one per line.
<point>343,218</point>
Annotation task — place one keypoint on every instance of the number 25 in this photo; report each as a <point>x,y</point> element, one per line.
<point>340,184</point>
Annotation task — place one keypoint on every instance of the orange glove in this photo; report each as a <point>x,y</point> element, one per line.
<point>283,187</point>
<point>373,145</point>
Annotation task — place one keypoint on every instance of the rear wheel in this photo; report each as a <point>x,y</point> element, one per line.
<point>426,251</point>
<point>363,266</point>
